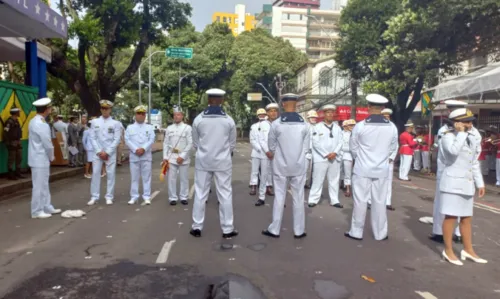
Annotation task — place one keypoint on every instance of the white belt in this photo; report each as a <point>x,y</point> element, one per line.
<point>405,145</point>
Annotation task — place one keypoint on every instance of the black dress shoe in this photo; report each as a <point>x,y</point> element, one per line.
<point>369,206</point>
<point>307,187</point>
<point>436,238</point>
<point>234,233</point>
<point>338,206</point>
<point>457,239</point>
<point>173,203</point>
<point>184,202</point>
<point>259,203</point>
<point>300,236</point>
<point>391,208</point>
<point>311,205</point>
<point>386,238</point>
<point>346,234</point>
<point>269,234</point>
<point>195,233</point>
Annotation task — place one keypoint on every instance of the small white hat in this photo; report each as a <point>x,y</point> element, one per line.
<point>329,107</point>
<point>455,104</point>
<point>349,122</point>
<point>462,114</point>
<point>312,114</point>
<point>106,104</point>
<point>140,109</point>
<point>14,110</point>
<point>272,106</point>
<point>289,97</point>
<point>376,99</point>
<point>177,109</point>
<point>215,92</point>
<point>387,111</point>
<point>409,124</point>
<point>261,111</point>
<point>42,102</point>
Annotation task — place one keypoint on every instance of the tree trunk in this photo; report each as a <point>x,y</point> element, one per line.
<point>354,92</point>
<point>405,109</point>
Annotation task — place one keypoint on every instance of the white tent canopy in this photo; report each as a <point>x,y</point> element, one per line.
<point>484,80</point>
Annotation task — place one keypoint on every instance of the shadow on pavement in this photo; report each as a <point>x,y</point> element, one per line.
<point>419,230</point>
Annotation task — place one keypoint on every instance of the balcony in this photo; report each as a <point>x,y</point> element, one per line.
<point>322,35</point>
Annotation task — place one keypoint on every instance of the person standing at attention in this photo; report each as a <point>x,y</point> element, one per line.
<point>258,139</point>
<point>272,115</point>
<point>407,144</point>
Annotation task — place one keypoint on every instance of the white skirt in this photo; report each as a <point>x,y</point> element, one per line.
<point>90,156</point>
<point>456,205</point>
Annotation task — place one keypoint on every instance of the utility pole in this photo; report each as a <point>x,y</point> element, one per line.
<point>280,85</point>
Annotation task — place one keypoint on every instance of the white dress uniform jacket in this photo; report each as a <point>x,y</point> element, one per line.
<point>459,175</point>
<point>309,157</point>
<point>40,154</point>
<point>140,136</point>
<point>214,137</point>
<point>373,142</point>
<point>105,134</point>
<point>259,133</point>
<point>289,141</point>
<point>178,142</point>
<point>326,139</point>
<point>346,157</point>
<point>87,145</point>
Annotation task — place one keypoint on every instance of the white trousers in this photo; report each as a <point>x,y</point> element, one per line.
<point>483,164</point>
<point>183,172</point>
<point>389,186</point>
<point>270,175</point>
<point>437,217</point>
<point>417,162</point>
<point>280,190</point>
<point>223,187</point>
<point>95,185</point>
<point>365,189</point>
<point>40,196</point>
<point>330,170</point>
<point>498,170</point>
<point>404,166</point>
<point>254,176</point>
<point>137,170</point>
<point>426,160</point>
<point>309,172</point>
<point>347,171</point>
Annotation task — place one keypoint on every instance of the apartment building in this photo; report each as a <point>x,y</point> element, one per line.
<point>315,4</point>
<point>238,22</point>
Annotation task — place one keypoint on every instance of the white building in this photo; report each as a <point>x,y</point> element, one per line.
<point>339,4</point>
<point>156,119</point>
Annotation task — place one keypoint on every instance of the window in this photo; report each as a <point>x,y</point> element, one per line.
<point>297,29</point>
<point>224,20</point>
<point>229,20</point>
<point>218,19</point>
<point>295,17</point>
<point>325,80</point>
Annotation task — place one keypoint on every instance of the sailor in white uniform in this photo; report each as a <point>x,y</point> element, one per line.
<point>438,218</point>
<point>177,147</point>
<point>312,118</point>
<point>327,155</point>
<point>105,134</point>
<point>40,154</point>
<point>272,114</point>
<point>259,133</point>
<point>214,138</point>
<point>348,125</point>
<point>459,179</point>
<point>372,143</point>
<point>289,141</point>
<point>139,138</point>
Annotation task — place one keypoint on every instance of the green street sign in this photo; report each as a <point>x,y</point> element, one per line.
<point>184,53</point>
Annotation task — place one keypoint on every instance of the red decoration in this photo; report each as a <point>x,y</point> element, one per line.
<point>344,113</point>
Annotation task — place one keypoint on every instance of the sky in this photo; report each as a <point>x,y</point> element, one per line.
<point>204,9</point>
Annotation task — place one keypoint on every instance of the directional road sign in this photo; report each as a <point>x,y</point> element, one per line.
<point>184,53</point>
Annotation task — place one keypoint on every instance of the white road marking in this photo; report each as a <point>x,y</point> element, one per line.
<point>191,192</point>
<point>486,208</point>
<point>426,295</point>
<point>250,161</point>
<point>154,194</point>
<point>243,155</point>
<point>165,251</point>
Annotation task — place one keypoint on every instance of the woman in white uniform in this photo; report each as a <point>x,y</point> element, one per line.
<point>348,125</point>
<point>457,188</point>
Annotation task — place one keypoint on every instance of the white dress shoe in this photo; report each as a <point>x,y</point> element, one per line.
<point>131,202</point>
<point>56,211</point>
<point>109,202</point>
<point>41,215</point>
<point>92,202</point>
<point>147,202</point>
<point>454,262</point>
<point>464,256</point>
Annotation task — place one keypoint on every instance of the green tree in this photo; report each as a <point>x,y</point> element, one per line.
<point>103,28</point>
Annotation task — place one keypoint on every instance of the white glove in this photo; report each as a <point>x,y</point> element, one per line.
<point>308,156</point>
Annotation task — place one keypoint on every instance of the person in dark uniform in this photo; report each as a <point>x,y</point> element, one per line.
<point>12,138</point>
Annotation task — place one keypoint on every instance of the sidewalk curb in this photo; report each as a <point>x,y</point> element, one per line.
<point>489,188</point>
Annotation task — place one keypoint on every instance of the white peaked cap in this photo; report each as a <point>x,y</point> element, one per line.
<point>272,106</point>
<point>376,99</point>
<point>42,102</point>
<point>216,92</point>
<point>455,103</point>
<point>329,107</point>
<point>387,111</point>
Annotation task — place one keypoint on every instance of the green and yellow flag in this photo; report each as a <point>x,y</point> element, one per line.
<point>427,103</point>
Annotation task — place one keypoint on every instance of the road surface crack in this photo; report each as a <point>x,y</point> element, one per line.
<point>87,250</point>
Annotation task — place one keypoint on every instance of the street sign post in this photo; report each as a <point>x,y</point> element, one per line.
<point>183,53</point>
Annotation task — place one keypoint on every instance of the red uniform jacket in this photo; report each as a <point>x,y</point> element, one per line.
<point>485,150</point>
<point>428,141</point>
<point>406,144</point>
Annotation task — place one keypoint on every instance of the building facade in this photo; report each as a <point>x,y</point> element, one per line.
<point>238,22</point>
<point>339,4</point>
<point>298,3</point>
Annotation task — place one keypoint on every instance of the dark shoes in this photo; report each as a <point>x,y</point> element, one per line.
<point>269,234</point>
<point>269,191</point>
<point>312,205</point>
<point>436,238</point>
<point>234,233</point>
<point>391,208</point>
<point>457,239</point>
<point>259,203</point>
<point>173,203</point>
<point>184,202</point>
<point>253,190</point>
<point>195,233</point>
<point>300,236</point>
<point>338,206</point>
<point>346,234</point>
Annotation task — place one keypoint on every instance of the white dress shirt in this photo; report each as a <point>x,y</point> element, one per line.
<point>140,136</point>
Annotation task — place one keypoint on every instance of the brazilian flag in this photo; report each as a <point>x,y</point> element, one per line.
<point>426,103</point>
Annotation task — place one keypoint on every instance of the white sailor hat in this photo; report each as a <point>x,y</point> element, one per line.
<point>376,99</point>
<point>455,104</point>
<point>215,92</point>
<point>177,109</point>
<point>60,116</point>
<point>43,102</point>
<point>409,124</point>
<point>140,109</point>
<point>387,111</point>
<point>312,114</point>
<point>106,104</point>
<point>261,111</point>
<point>349,122</point>
<point>272,106</point>
<point>289,97</point>
<point>461,115</point>
<point>14,110</point>
<point>329,107</point>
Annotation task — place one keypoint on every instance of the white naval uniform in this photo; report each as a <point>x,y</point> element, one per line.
<point>346,157</point>
<point>373,141</point>
<point>87,146</point>
<point>289,140</point>
<point>309,157</point>
<point>178,142</point>
<point>459,175</point>
<point>139,136</point>
<point>105,134</point>
<point>214,137</point>
<point>326,140</point>
<point>40,154</point>
<point>259,133</point>
<point>269,182</point>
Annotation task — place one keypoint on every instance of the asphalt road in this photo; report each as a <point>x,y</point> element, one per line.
<point>137,252</point>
